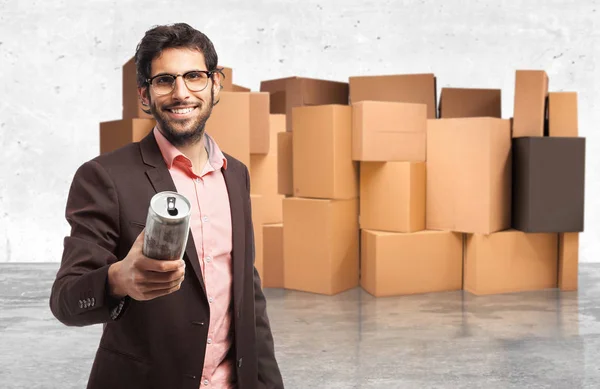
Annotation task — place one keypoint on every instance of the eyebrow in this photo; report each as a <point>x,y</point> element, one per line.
<point>171,74</point>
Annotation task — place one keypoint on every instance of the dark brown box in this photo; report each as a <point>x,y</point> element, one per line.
<point>470,102</point>
<point>299,91</point>
<point>403,88</point>
<point>548,184</point>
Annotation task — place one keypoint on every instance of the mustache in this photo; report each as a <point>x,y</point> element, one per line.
<point>182,104</point>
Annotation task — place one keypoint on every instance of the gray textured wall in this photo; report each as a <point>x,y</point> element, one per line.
<point>60,63</point>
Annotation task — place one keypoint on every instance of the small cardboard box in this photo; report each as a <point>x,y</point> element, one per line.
<point>568,261</point>
<point>320,245</point>
<point>272,276</point>
<point>548,184</point>
<point>285,160</point>
<point>531,95</point>
<point>468,175</point>
<point>392,196</point>
<point>294,92</point>
<point>322,153</point>
<point>510,261</point>
<point>403,88</point>
<point>118,133</point>
<point>408,263</point>
<point>470,102</point>
<point>562,114</point>
<point>388,131</point>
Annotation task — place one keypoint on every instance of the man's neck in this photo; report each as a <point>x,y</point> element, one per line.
<point>197,154</point>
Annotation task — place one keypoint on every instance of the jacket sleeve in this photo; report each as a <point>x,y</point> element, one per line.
<point>79,295</point>
<point>269,376</point>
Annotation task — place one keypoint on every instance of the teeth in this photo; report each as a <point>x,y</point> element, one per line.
<point>182,111</point>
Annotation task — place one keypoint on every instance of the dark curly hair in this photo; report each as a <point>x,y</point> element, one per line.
<point>179,35</point>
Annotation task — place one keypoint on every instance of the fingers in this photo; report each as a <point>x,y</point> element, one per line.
<point>154,293</point>
<point>160,266</point>
<point>152,277</point>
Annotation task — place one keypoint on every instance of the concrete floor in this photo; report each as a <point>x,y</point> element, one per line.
<point>447,340</point>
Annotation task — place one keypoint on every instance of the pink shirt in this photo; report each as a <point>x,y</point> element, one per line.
<point>211,228</point>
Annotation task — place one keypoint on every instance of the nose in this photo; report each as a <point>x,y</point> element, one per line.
<point>180,91</point>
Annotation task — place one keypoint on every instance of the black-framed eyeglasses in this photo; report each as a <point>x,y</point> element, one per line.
<point>195,80</point>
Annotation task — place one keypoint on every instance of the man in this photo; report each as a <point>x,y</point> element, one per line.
<point>198,322</point>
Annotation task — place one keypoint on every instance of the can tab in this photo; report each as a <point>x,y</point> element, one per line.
<point>171,206</point>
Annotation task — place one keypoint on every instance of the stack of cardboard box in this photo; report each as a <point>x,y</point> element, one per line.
<point>372,183</point>
<point>320,212</point>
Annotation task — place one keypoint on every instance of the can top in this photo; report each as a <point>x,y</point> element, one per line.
<point>170,205</point>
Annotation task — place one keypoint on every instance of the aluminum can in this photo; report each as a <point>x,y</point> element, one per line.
<point>167,226</point>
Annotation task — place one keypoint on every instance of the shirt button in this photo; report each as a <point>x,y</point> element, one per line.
<point>208,259</point>
<point>206,382</point>
<point>209,341</point>
<point>198,180</point>
<point>205,219</point>
<point>210,299</point>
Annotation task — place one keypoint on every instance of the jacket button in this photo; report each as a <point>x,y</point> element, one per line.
<point>80,304</point>
<point>240,362</point>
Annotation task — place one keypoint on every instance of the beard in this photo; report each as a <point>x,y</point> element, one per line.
<point>184,132</point>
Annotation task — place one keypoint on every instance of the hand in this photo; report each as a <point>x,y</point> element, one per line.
<point>143,278</point>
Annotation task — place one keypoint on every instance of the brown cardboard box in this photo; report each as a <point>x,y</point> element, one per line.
<point>259,123</point>
<point>405,88</point>
<point>285,183</point>
<point>132,107</point>
<point>227,81</point>
<point>322,153</point>
<point>568,261</point>
<point>388,131</point>
<point>392,196</point>
<point>562,114</point>
<point>257,203</point>
<point>548,184</point>
<point>419,262</point>
<point>468,175</point>
<point>531,93</point>
<point>229,125</point>
<point>118,133</point>
<point>273,256</point>
<point>470,102</point>
<point>299,91</point>
<point>320,244</point>
<point>239,88</point>
<point>510,261</point>
<point>264,175</point>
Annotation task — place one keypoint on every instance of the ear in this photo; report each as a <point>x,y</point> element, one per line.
<point>217,81</point>
<point>143,95</point>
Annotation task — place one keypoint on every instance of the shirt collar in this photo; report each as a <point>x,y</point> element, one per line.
<point>170,153</point>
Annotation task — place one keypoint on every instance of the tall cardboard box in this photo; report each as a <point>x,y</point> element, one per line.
<point>260,139</point>
<point>470,102</point>
<point>229,125</point>
<point>549,184</point>
<point>468,175</point>
<point>273,256</point>
<point>320,245</point>
<point>409,263</point>
<point>531,95</point>
<point>510,261</point>
<point>403,88</point>
<point>294,92</point>
<point>322,153</point>
<point>263,174</point>
<point>392,196</point>
<point>285,160</point>
<point>388,131</point>
<point>568,261</point>
<point>563,114</point>
<point>132,107</point>
<point>118,133</point>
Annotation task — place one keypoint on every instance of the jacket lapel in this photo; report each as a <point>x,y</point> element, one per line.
<point>161,181</point>
<point>238,231</point>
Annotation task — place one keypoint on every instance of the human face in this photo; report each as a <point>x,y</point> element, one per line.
<point>181,115</point>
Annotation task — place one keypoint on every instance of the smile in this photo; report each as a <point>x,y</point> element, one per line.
<point>181,111</point>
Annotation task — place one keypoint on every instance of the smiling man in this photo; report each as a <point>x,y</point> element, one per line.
<point>197,322</point>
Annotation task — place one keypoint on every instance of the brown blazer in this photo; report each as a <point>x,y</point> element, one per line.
<point>158,343</point>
